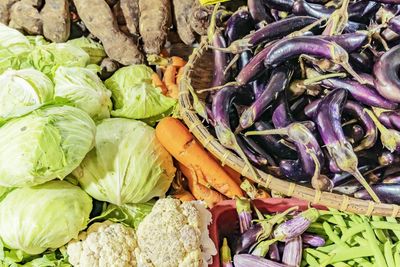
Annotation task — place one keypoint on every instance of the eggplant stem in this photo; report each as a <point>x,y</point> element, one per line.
<point>317,170</point>
<point>216,88</point>
<point>319,78</point>
<point>213,23</point>
<point>282,131</point>
<point>360,178</point>
<point>239,150</point>
<point>379,38</point>
<point>352,72</point>
<point>307,28</point>
<point>231,63</point>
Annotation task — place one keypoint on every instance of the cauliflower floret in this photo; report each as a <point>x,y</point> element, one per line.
<point>102,245</point>
<point>175,235</point>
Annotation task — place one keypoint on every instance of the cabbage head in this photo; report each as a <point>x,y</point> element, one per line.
<point>135,96</point>
<point>23,90</point>
<point>13,40</point>
<point>94,49</point>
<point>48,143</point>
<point>84,89</point>
<point>33,219</point>
<point>128,164</point>
<point>47,58</point>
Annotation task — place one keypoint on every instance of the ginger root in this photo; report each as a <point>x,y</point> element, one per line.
<point>56,20</point>
<point>99,19</point>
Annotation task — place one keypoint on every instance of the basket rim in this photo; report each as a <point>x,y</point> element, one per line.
<point>290,189</point>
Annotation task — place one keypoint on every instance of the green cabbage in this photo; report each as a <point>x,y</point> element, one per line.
<point>47,58</point>
<point>84,89</point>
<point>33,219</point>
<point>23,90</point>
<point>127,165</point>
<point>36,40</point>
<point>13,40</point>
<point>135,96</point>
<point>94,49</point>
<point>48,143</point>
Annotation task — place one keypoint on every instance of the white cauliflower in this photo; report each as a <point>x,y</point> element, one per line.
<point>103,245</point>
<point>175,234</point>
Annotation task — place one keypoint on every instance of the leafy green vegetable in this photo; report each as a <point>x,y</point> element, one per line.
<point>47,58</point>
<point>127,165</point>
<point>13,40</point>
<point>37,40</point>
<point>48,143</point>
<point>135,96</point>
<point>84,89</point>
<point>130,214</point>
<point>47,216</point>
<point>94,49</point>
<point>23,90</point>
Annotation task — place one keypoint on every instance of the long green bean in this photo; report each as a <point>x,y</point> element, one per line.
<point>373,243</point>
<point>389,254</point>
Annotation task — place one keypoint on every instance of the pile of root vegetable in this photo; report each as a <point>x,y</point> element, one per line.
<point>309,90</point>
<point>128,29</point>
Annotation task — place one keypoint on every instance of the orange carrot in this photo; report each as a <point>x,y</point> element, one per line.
<point>199,191</point>
<point>183,196</point>
<point>170,75</point>
<point>180,143</point>
<point>233,174</point>
<point>177,62</point>
<point>179,75</point>
<point>158,83</point>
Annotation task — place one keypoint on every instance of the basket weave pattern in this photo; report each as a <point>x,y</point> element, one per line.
<point>196,76</point>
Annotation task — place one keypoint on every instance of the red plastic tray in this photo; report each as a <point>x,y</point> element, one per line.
<point>225,218</point>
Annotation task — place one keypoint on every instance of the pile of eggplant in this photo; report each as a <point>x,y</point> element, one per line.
<point>309,91</point>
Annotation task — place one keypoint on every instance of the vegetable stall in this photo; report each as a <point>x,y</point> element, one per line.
<point>177,133</point>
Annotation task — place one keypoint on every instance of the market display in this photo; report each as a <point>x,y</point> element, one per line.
<point>99,169</point>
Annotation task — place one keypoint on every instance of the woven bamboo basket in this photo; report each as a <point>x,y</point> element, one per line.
<point>197,75</point>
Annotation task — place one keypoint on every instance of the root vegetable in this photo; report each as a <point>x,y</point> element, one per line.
<point>98,18</point>
<point>5,6</point>
<point>131,13</point>
<point>25,17</point>
<point>200,18</point>
<point>182,18</point>
<point>177,139</point>
<point>56,20</point>
<point>155,17</point>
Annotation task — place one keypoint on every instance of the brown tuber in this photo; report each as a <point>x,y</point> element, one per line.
<point>25,17</point>
<point>99,19</point>
<point>56,20</point>
<point>5,6</point>
<point>131,13</point>
<point>200,18</point>
<point>181,15</point>
<point>155,17</point>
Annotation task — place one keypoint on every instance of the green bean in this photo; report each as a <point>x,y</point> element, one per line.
<point>352,231</point>
<point>327,249</point>
<point>394,220</point>
<point>397,254</point>
<point>380,234</point>
<point>388,254</point>
<point>312,262</point>
<point>341,264</point>
<point>318,254</point>
<point>353,253</point>
<point>386,225</point>
<point>331,234</point>
<point>373,243</point>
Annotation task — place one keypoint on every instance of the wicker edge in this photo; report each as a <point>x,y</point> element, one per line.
<point>332,200</point>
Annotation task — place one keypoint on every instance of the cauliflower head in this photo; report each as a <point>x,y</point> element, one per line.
<point>175,234</point>
<point>102,245</point>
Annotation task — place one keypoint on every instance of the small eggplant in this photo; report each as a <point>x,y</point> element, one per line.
<point>281,5</point>
<point>313,240</point>
<point>361,11</point>
<point>348,188</point>
<point>246,260</point>
<point>278,82</point>
<point>221,61</point>
<point>257,151</point>
<point>361,92</point>
<point>355,133</point>
<point>271,143</point>
<point>243,209</point>
<point>281,117</point>
<point>386,158</point>
<point>293,252</point>
<point>303,8</point>
<point>342,178</point>
<point>244,59</point>
<point>259,12</point>
<point>350,42</point>
<point>328,120</point>
<point>239,25</point>
<point>273,252</point>
<point>363,61</point>
<point>262,248</point>
<point>394,24</point>
<point>387,79</point>
<point>297,226</point>
<point>392,179</point>
<point>226,257</point>
<point>289,48</point>
<point>251,155</point>
<point>259,86</point>
<point>389,193</point>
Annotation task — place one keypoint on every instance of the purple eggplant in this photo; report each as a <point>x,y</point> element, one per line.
<point>280,78</point>
<point>390,35</point>
<point>243,209</point>
<point>249,152</point>
<point>313,240</point>
<point>281,5</point>
<point>328,120</point>
<point>261,249</point>
<point>239,25</point>
<point>349,41</point>
<point>246,260</point>
<point>259,12</point>
<point>271,143</point>
<point>273,252</point>
<point>362,61</point>
<point>386,72</point>
<point>389,193</point>
<point>293,252</point>
<point>392,179</point>
<point>355,133</point>
<point>361,11</point>
<point>361,92</point>
<point>257,151</point>
<point>226,257</point>
<point>386,158</point>
<point>296,226</point>
<point>286,49</point>
<point>342,178</point>
<point>394,24</point>
<point>281,117</point>
<point>303,8</point>
<point>221,61</point>
<point>259,86</point>
<point>244,59</point>
<point>348,188</point>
